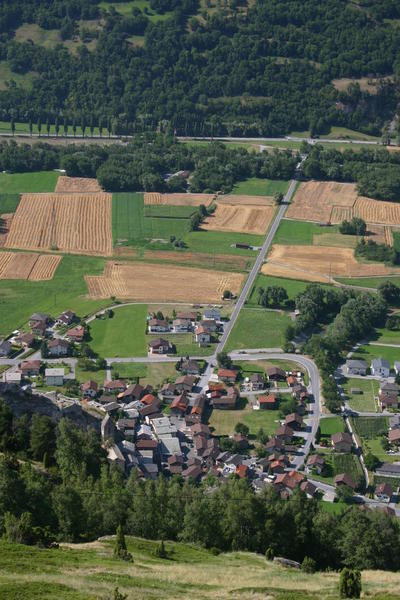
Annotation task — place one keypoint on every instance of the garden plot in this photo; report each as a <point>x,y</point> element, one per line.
<point>76,223</point>
<point>162,283</point>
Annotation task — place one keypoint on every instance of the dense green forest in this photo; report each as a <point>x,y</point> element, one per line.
<point>218,67</point>
<point>76,496</point>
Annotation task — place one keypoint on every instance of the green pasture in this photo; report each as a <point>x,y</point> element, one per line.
<point>19,183</point>
<point>123,335</point>
<point>255,186</point>
<point>258,328</point>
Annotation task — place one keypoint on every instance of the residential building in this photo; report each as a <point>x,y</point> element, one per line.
<point>227,375</point>
<point>394,422</point>
<point>76,334</point>
<point>267,402</point>
<point>115,456</point>
<point>5,348</point>
<point>275,374</point>
<point>168,391</point>
<point>284,433</point>
<point>380,367</point>
<point>188,316</point>
<point>160,346</point>
<point>89,389</point>
<point>394,437</point>
<point>38,323</point>
<point>356,367</point>
<point>58,347</point>
<point>256,382</point>
<point>175,464</point>
<point>315,462</point>
<point>190,367</point>
<point>179,404</point>
<point>30,367</point>
<point>66,318</point>
<point>210,325</point>
<point>294,421</point>
<point>198,406</point>
<point>383,492</point>
<point>308,488</point>
<point>54,376</point>
<point>182,325</point>
<point>114,386</point>
<point>212,313</point>
<point>388,400</point>
<point>26,340</point>
<point>397,367</point>
<point>193,472</point>
<point>344,479</point>
<point>228,401</point>
<point>133,392</point>
<point>158,326</point>
<point>185,383</point>
<point>342,442</point>
<point>202,335</point>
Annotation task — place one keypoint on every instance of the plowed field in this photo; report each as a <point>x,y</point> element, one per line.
<point>25,265</point>
<point>77,184</point>
<point>162,283</point>
<point>320,263</point>
<point>76,223</point>
<point>178,199</point>
<point>240,218</point>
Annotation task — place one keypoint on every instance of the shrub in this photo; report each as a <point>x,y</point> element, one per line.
<point>120,549</point>
<point>350,583</point>
<point>308,565</point>
<point>160,550</point>
<point>269,553</point>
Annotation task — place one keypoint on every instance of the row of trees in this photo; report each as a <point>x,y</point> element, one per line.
<point>79,497</point>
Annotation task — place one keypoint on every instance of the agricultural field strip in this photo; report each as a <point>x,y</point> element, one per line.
<point>76,223</point>
<point>156,198</point>
<point>332,202</point>
<point>77,184</point>
<point>240,218</point>
<point>162,283</point>
<point>28,266</point>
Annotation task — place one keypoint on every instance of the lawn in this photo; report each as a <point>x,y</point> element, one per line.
<point>331,425</point>
<point>333,507</point>
<point>364,402</point>
<point>256,186</point>
<point>98,376</point>
<point>348,463</point>
<point>223,421</point>
<point>123,335</point>
<point>154,374</point>
<point>67,290</point>
<point>387,336</point>
<point>184,344</point>
<point>18,183</point>
<point>8,203</point>
<point>258,328</point>
<point>369,351</point>
<point>292,286</point>
<point>130,225</point>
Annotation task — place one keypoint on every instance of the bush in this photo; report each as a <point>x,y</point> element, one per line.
<point>350,583</point>
<point>161,551</point>
<point>120,549</point>
<point>308,565</point>
<point>269,553</point>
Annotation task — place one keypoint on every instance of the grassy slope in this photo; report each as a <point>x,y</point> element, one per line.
<point>123,335</point>
<point>190,572</point>
<point>67,290</point>
<point>258,328</point>
<point>256,186</point>
<point>17,183</point>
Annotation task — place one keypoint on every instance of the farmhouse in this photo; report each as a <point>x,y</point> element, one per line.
<point>54,376</point>
<point>344,479</point>
<point>202,335</point>
<point>190,367</point>
<point>89,389</point>
<point>76,334</point>
<point>384,492</point>
<point>160,346</point>
<point>26,340</point>
<point>380,367</point>
<point>356,367</point>
<point>113,386</point>
<point>267,402</point>
<point>30,367</point>
<point>275,374</point>
<point>5,348</point>
<point>227,375</point>
<point>58,347</point>
<point>65,318</point>
<point>158,326</point>
<point>342,442</point>
<point>316,462</point>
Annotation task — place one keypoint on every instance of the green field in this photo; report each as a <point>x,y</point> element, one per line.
<point>18,183</point>
<point>123,335</point>
<point>130,226</point>
<point>331,425</point>
<point>370,427</point>
<point>367,282</point>
<point>89,572</point>
<point>8,203</point>
<point>369,351</point>
<point>125,9</point>
<point>258,328</point>
<point>220,242</point>
<point>223,421</point>
<point>260,187</point>
<point>154,374</point>
<point>305,233</point>
<point>387,336</point>
<point>168,211</point>
<point>98,376</point>
<point>364,402</point>
<point>185,344</point>
<point>67,290</point>
<point>292,286</point>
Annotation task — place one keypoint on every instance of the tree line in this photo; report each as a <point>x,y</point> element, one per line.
<point>77,496</point>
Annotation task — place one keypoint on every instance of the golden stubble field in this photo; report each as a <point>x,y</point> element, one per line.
<point>240,218</point>
<point>79,223</point>
<point>26,265</point>
<point>162,283</point>
<point>320,263</point>
<point>77,184</point>
<point>178,199</point>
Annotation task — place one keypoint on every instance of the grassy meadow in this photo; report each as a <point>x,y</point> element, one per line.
<point>19,183</point>
<point>364,402</point>
<point>223,422</point>
<point>123,335</point>
<point>331,425</point>
<point>256,186</point>
<point>89,572</point>
<point>369,351</point>
<point>307,233</point>
<point>147,373</point>
<point>258,328</point>
<point>67,290</point>
<point>8,202</point>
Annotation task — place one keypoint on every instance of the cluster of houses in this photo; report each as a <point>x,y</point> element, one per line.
<point>203,328</point>
<point>388,397</point>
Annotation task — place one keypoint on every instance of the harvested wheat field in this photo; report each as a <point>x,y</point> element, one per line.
<point>178,199</point>
<point>320,263</point>
<point>5,224</point>
<point>240,218</point>
<point>77,184</point>
<point>26,265</point>
<point>314,200</point>
<point>162,283</point>
<point>76,223</point>
<point>252,200</point>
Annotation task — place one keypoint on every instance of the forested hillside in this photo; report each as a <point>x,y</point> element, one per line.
<point>201,67</point>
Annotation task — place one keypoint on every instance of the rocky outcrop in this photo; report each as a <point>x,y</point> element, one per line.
<point>23,402</point>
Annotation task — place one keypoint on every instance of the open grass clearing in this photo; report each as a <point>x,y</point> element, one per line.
<point>255,186</point>
<point>154,374</point>
<point>223,421</point>
<point>370,428</point>
<point>367,282</point>
<point>7,75</point>
<point>331,425</point>
<point>125,9</point>
<point>98,376</point>
<point>18,183</point>
<point>307,233</point>
<point>8,202</point>
<point>258,328</point>
<point>386,336</point>
<point>220,242</point>
<point>367,400</point>
<point>67,290</point>
<point>369,351</point>
<point>123,335</point>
